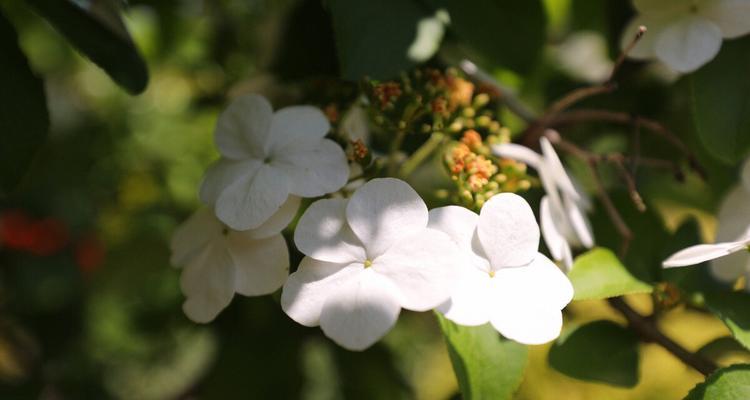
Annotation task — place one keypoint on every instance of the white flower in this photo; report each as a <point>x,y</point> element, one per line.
<point>728,260</point>
<point>267,156</point>
<point>368,257</point>
<point>562,210</point>
<point>219,261</point>
<point>686,34</point>
<point>504,280</point>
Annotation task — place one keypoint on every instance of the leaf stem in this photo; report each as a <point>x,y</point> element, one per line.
<point>419,156</point>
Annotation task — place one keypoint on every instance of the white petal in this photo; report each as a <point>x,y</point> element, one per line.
<point>518,153</point>
<point>701,253</point>
<point>243,127</point>
<point>208,282</point>
<point>734,216</point>
<point>307,289</point>
<point>261,266</point>
<point>322,233</point>
<point>193,235</point>
<point>362,311</point>
<point>296,127</point>
<point>508,231</point>
<point>461,225</point>
<point>223,173</point>
<point>578,222</point>
<point>644,49</point>
<point>688,43</point>
<point>424,268</point>
<point>556,243</point>
<point>729,268</point>
<point>278,221</point>
<point>532,325</point>
<point>555,169</point>
<point>355,124</point>
<point>383,212</point>
<point>471,302</point>
<point>252,200</point>
<point>539,284</point>
<point>314,171</point>
<point>731,16</point>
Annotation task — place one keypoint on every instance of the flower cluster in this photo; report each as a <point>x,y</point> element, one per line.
<point>370,255</point>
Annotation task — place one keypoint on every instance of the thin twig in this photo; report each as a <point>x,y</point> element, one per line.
<point>421,154</point>
<point>621,58</point>
<point>649,332</point>
<point>630,183</point>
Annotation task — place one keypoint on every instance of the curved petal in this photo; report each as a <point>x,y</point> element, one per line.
<point>296,127</point>
<point>578,222</point>
<point>193,235</point>
<point>223,173</point>
<point>252,200</point>
<point>362,311</point>
<point>733,216</point>
<point>731,16</point>
<point>322,233</point>
<point>539,284</point>
<point>518,153</point>
<point>314,171</point>
<point>508,231</point>
<point>644,49</point>
<point>261,266</point>
<point>470,302</point>
<point>556,243</point>
<point>556,170</point>
<point>383,212</point>
<point>729,268</point>
<point>423,267</point>
<point>243,127</point>
<point>307,289</point>
<point>355,124</point>
<point>278,221</point>
<point>208,282</point>
<point>701,253</point>
<point>528,325</point>
<point>688,43</point>
<point>460,224</point>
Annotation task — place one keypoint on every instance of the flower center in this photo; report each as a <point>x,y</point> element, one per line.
<point>492,274</point>
<point>368,263</point>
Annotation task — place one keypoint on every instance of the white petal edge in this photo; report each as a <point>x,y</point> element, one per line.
<point>701,253</point>
<point>193,235</point>
<point>558,246</point>
<point>531,325</point>
<point>251,201</point>
<point>470,303</point>
<point>278,221</point>
<point>296,127</point>
<point>243,127</point>
<point>731,16</point>
<point>323,233</point>
<point>556,169</point>
<point>314,171</point>
<point>261,266</point>
<point>223,173</point>
<point>508,231</point>
<point>519,153</point>
<point>688,43</point>
<point>208,282</point>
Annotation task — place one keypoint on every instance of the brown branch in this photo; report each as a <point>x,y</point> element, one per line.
<point>621,59</point>
<point>649,332</point>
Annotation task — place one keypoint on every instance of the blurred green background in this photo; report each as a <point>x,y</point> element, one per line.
<point>94,312</point>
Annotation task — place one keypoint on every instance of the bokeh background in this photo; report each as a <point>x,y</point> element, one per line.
<point>89,305</point>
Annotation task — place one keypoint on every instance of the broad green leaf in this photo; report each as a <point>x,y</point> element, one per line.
<point>732,308</point>
<point>598,274</point>
<point>508,33</point>
<point>731,383</point>
<point>24,121</point>
<point>97,31</point>
<point>486,365</point>
<point>600,351</point>
<point>721,102</point>
<point>374,37</point>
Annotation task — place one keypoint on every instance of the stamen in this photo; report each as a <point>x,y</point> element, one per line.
<point>368,263</point>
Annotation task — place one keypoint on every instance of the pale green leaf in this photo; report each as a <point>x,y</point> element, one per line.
<point>599,274</point>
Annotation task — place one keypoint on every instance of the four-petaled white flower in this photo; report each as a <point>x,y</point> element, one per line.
<point>728,257</point>
<point>686,34</point>
<point>266,157</point>
<point>503,279</point>
<point>562,209</point>
<point>368,257</point>
<point>218,261</point>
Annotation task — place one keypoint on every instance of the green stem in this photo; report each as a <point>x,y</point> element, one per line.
<point>419,156</point>
<point>395,147</point>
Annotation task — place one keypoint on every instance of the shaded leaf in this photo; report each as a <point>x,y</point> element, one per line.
<point>598,274</point>
<point>732,308</point>
<point>487,366</point>
<point>601,351</point>
<point>731,383</point>
<point>721,347</point>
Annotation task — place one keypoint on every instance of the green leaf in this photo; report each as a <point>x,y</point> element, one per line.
<point>731,383</point>
<point>721,102</point>
<point>598,274</point>
<point>721,347</point>
<point>600,351</point>
<point>97,31</point>
<point>732,308</point>
<point>508,33</point>
<point>373,37</point>
<point>486,365</point>
<point>24,121</point>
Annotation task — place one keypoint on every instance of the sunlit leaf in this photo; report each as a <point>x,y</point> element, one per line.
<point>601,351</point>
<point>731,383</point>
<point>598,274</point>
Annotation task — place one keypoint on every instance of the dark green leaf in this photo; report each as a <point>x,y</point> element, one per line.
<point>721,347</point>
<point>24,121</point>
<point>721,102</point>
<point>508,33</point>
<point>732,308</point>
<point>598,274</point>
<point>373,37</point>
<point>731,383</point>
<point>98,32</point>
<point>486,365</point>
<point>600,351</point>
